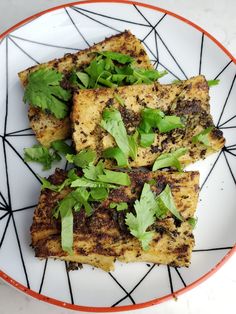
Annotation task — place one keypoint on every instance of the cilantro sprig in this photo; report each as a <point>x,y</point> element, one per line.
<point>127,144</point>
<point>44,91</point>
<point>170,160</point>
<point>147,209</point>
<point>113,69</point>
<point>47,156</point>
<point>203,137</point>
<point>155,118</point>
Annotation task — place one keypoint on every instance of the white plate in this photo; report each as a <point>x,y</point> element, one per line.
<point>174,44</point>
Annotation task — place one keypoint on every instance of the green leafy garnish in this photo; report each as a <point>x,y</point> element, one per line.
<point>170,160</point>
<point>83,158</point>
<point>72,201</point>
<point>166,203</point>
<point>202,137</point>
<point>117,56</point>
<point>146,139</point>
<point>213,82</point>
<point>119,99</point>
<point>117,154</point>
<point>155,118</point>
<point>43,90</point>
<point>112,122</point>
<point>46,156</point>
<point>143,218</point>
<point>112,69</point>
<point>98,176</point>
<point>56,188</point>
<point>99,194</point>
<point>119,206</point>
<point>61,147</point>
<point>192,221</point>
<point>41,154</point>
<point>115,177</point>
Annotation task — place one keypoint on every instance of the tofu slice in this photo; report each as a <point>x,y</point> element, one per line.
<point>46,126</point>
<point>102,238</point>
<point>188,99</point>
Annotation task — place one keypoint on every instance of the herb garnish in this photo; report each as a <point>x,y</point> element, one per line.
<point>46,156</point>
<point>155,118</point>
<point>170,160</point>
<point>43,90</point>
<point>203,136</point>
<point>127,144</point>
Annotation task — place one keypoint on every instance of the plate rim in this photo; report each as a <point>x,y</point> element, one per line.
<point>155,301</point>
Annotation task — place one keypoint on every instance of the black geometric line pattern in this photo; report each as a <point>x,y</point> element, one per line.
<point>109,17</point>
<point>135,287</point>
<point>91,18</point>
<point>69,284</point>
<point>7,212</point>
<point>224,68</point>
<point>26,53</point>
<point>201,52</point>
<point>226,100</point>
<point>180,276</point>
<point>43,276</point>
<point>42,44</point>
<point>127,293</point>
<point>170,279</point>
<point>77,29</point>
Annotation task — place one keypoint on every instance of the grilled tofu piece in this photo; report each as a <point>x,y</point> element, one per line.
<point>46,126</point>
<point>188,99</point>
<point>102,238</point>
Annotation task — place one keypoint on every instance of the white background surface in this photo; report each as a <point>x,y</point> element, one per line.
<point>218,294</point>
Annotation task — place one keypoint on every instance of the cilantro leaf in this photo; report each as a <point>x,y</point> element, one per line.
<point>112,122</point>
<point>143,218</point>
<point>112,69</point>
<point>83,158</point>
<point>61,147</point>
<point>213,82</point>
<point>99,194</point>
<point>84,78</point>
<point>155,118</point>
<point>56,188</point>
<point>116,56</point>
<point>133,145</point>
<point>41,154</point>
<point>202,137</point>
<point>169,160</point>
<point>146,139</point>
<point>169,123</point>
<point>119,206</point>
<point>150,119</point>
<point>193,222</point>
<point>119,99</point>
<point>83,182</point>
<point>120,178</point>
<point>92,172</point>
<point>44,91</point>
<point>166,202</point>
<point>117,154</point>
<point>72,201</point>
<point>64,209</point>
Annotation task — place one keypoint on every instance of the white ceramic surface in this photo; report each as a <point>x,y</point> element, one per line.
<point>179,50</point>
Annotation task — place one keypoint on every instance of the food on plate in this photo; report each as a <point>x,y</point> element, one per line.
<point>49,86</point>
<point>134,125</point>
<point>96,216</point>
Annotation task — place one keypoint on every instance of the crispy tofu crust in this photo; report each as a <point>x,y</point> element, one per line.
<point>188,99</point>
<point>102,238</point>
<point>46,126</point>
